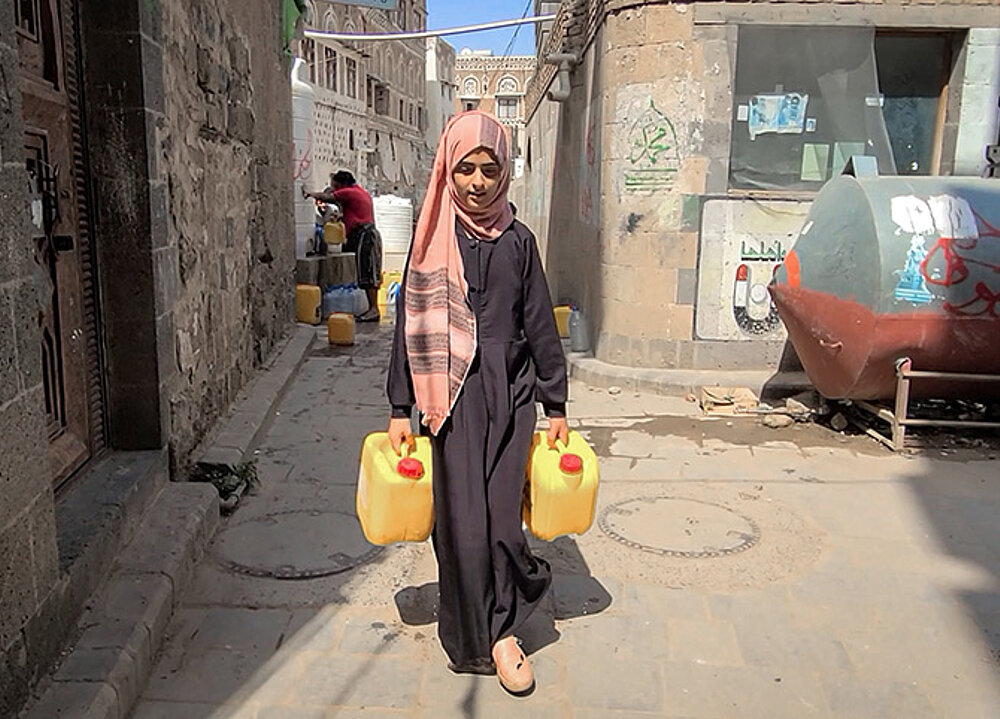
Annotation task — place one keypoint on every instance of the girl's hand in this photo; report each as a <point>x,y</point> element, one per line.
<point>558,429</point>
<point>399,432</point>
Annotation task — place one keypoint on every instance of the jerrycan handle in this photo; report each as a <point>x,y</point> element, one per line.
<point>408,466</point>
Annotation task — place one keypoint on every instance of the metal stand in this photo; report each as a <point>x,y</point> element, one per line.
<point>899,420</point>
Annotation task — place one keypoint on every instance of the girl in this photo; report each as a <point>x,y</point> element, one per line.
<point>476,344</point>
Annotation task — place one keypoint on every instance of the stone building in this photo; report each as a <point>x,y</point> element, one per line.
<point>660,175</point>
<point>370,108</point>
<point>497,85</point>
<point>441,88</point>
<point>144,198</point>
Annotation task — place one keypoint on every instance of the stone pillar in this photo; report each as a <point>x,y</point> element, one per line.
<point>980,115</point>
<point>28,554</point>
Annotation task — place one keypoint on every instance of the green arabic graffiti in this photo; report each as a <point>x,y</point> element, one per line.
<point>653,135</point>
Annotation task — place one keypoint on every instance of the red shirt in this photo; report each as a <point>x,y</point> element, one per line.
<point>356,204</point>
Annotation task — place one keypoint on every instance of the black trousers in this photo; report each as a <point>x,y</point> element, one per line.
<point>366,244</point>
<point>488,579</point>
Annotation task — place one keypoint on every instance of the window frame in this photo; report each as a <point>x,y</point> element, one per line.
<point>941,118</point>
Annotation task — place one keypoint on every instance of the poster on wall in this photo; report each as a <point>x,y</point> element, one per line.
<point>742,242</point>
<point>781,113</point>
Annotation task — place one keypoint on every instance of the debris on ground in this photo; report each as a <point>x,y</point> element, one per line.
<point>839,422</point>
<point>778,421</point>
<point>728,401</point>
<point>614,390</point>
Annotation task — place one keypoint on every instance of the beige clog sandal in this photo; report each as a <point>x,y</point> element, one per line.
<point>513,667</point>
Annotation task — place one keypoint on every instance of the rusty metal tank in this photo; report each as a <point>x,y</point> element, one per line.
<point>891,267</point>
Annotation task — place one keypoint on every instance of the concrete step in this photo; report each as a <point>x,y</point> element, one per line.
<point>120,632</point>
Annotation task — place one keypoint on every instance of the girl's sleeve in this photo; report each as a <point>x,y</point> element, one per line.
<point>399,385</point>
<point>543,337</point>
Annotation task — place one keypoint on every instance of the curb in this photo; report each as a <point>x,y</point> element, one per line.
<point>105,672</point>
<point>125,621</point>
<point>232,440</point>
<point>680,382</point>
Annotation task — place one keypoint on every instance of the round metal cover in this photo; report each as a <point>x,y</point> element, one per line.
<point>295,545</point>
<point>678,527</point>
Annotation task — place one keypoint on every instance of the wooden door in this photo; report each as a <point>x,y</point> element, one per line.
<point>56,170</point>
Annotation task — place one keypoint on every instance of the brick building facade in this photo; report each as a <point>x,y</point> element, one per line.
<point>497,85</point>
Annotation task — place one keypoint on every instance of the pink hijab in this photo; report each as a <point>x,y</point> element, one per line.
<point>440,326</point>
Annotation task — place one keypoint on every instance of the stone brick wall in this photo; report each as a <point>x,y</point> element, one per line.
<point>28,556</point>
<point>224,153</point>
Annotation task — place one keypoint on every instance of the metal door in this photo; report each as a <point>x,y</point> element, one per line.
<point>57,177</point>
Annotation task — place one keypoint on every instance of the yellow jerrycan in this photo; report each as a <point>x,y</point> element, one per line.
<point>394,499</point>
<point>562,313</point>
<point>334,233</point>
<point>340,328</point>
<point>561,494</point>
<point>308,304</point>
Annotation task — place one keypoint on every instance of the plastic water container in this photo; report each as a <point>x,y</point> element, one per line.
<point>562,313</point>
<point>334,234</point>
<point>394,220</point>
<point>338,298</point>
<point>579,337</point>
<point>359,300</point>
<point>561,494</point>
<point>388,290</point>
<point>340,329</point>
<point>394,501</point>
<point>308,304</point>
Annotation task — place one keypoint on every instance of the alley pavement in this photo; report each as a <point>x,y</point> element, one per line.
<point>733,571</point>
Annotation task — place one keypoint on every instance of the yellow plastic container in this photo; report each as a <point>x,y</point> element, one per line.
<point>561,494</point>
<point>394,499</point>
<point>340,328</point>
<point>334,233</point>
<point>308,304</point>
<point>388,278</point>
<point>562,313</point>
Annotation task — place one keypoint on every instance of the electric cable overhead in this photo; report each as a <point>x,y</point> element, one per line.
<point>362,37</point>
<point>513,37</point>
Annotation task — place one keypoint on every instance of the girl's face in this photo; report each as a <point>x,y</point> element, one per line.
<point>477,179</point>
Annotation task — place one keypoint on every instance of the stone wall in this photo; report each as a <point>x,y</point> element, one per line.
<point>29,565</point>
<point>224,152</point>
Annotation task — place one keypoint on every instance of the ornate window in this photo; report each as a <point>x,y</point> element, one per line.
<point>507,86</point>
<point>470,87</point>
<point>329,22</point>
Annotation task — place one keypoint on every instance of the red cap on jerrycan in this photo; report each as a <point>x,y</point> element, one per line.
<point>410,468</point>
<point>571,463</point>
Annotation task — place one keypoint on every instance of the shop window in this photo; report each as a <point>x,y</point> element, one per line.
<point>507,107</point>
<point>330,63</point>
<point>808,98</point>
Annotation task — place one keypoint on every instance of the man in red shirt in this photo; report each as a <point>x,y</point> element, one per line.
<point>362,238</point>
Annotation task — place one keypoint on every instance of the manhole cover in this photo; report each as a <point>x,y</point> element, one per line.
<point>295,545</point>
<point>677,527</point>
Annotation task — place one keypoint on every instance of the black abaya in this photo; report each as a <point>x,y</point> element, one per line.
<point>489,582</point>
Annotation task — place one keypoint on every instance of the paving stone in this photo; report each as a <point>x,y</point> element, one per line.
<point>713,691</point>
<point>342,680</point>
<point>634,685</point>
<point>75,700</point>
<point>646,600</point>
<point>864,700</point>
<point>703,642</point>
<point>214,676</point>
<point>240,628</point>
<point>187,710</point>
<point>376,637</point>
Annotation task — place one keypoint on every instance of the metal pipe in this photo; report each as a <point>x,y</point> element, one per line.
<point>566,62</point>
<point>355,37</point>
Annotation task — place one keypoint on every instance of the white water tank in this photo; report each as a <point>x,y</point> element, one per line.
<point>303,102</point>
<point>394,220</point>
